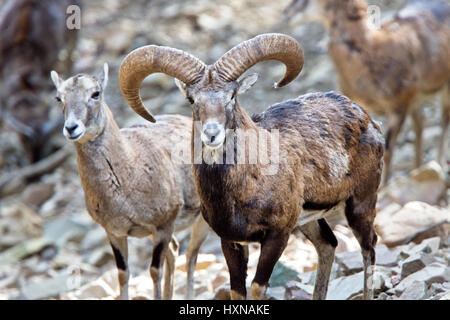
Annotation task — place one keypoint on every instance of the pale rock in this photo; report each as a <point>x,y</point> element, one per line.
<point>426,184</point>
<point>345,288</point>
<point>275,293</point>
<point>63,229</point>
<point>404,225</point>
<point>23,250</point>
<point>415,263</point>
<point>416,291</point>
<point>432,273</point>
<point>100,257</point>
<point>296,291</point>
<point>44,287</point>
<point>94,238</point>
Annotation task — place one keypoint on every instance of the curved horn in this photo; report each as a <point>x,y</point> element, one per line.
<point>146,60</point>
<point>270,46</point>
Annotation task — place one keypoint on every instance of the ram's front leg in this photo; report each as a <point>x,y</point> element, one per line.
<point>236,256</point>
<point>272,247</point>
<point>119,246</point>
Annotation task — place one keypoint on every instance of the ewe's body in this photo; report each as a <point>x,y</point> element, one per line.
<point>330,154</point>
<point>393,69</point>
<point>133,185</point>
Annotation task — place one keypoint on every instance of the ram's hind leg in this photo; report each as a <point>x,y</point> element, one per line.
<point>360,216</point>
<point>324,241</point>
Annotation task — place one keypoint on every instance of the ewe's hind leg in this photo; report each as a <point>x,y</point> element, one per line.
<point>199,232</point>
<point>417,120</point>
<point>169,273</point>
<point>120,250</point>
<point>324,241</point>
<point>360,216</point>
<point>161,240</point>
<point>236,257</point>
<point>445,122</point>
<point>395,123</point>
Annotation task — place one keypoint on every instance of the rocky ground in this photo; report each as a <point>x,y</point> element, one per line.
<point>51,249</point>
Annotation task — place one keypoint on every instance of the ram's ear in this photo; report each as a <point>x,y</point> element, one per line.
<point>182,86</point>
<point>246,83</point>
<point>57,80</point>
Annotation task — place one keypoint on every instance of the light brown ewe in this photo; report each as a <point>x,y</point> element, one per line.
<point>133,185</point>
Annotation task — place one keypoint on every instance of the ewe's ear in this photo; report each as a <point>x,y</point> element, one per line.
<point>104,76</point>
<point>247,82</point>
<point>182,86</point>
<point>57,80</point>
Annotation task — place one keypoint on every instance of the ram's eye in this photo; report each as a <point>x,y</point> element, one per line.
<point>95,95</point>
<point>58,99</point>
<point>191,101</point>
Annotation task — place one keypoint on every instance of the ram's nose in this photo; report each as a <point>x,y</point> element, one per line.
<point>211,131</point>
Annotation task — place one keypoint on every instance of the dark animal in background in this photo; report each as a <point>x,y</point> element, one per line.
<point>33,35</point>
<point>390,70</point>
<point>330,154</point>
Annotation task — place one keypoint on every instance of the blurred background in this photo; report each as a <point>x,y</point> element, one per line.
<point>49,246</point>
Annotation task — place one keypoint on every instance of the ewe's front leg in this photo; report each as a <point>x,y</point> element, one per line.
<point>120,250</point>
<point>271,249</point>
<point>236,256</point>
<point>161,240</point>
<point>199,233</point>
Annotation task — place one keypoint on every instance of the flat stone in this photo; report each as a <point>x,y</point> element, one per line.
<point>415,263</point>
<point>350,262</point>
<point>416,291</point>
<point>408,223</point>
<point>281,275</point>
<point>40,287</point>
<point>426,184</point>
<point>432,273</point>
<point>345,288</point>
<point>296,291</point>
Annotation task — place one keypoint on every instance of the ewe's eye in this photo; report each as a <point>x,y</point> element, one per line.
<point>58,99</point>
<point>95,95</point>
<point>191,101</point>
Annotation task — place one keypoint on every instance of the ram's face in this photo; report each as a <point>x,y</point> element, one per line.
<point>213,104</point>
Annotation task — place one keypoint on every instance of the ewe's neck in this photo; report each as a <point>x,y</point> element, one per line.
<point>109,142</point>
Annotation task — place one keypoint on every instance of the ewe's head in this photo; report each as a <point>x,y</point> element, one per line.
<point>212,90</point>
<point>81,99</point>
<point>325,11</point>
